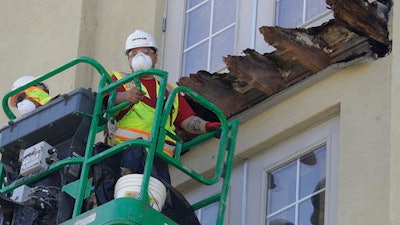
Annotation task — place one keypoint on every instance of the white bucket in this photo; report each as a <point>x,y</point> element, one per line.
<point>129,186</point>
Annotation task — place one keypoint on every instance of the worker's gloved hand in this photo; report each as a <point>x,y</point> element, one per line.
<point>213,126</point>
<point>134,95</point>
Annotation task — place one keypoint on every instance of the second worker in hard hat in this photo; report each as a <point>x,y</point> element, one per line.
<point>30,98</point>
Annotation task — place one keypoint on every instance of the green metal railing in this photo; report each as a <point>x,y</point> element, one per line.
<point>80,189</point>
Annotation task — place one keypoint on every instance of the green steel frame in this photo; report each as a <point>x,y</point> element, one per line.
<point>132,210</point>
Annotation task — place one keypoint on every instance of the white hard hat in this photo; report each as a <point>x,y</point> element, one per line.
<point>21,81</point>
<point>26,79</point>
<point>138,39</point>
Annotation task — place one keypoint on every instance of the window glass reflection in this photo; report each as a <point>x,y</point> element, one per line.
<point>312,170</point>
<point>298,186</point>
<point>284,191</point>
<point>294,13</point>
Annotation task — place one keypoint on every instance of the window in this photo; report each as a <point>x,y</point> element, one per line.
<point>295,181</point>
<point>296,190</point>
<point>199,33</point>
<point>293,13</point>
<point>208,215</point>
<point>209,34</point>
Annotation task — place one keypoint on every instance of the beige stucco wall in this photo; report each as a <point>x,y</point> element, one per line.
<point>394,183</point>
<point>39,36</point>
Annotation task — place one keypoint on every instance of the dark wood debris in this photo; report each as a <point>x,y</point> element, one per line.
<point>359,29</point>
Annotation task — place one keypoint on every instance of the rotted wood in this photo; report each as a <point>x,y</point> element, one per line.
<point>369,18</point>
<point>307,49</point>
<point>290,70</point>
<point>342,44</point>
<point>359,29</point>
<point>216,89</point>
<point>335,42</point>
<point>257,70</point>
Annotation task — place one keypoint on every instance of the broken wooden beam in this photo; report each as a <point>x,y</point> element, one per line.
<point>366,18</point>
<point>298,44</point>
<point>213,88</point>
<point>257,70</point>
<point>342,44</point>
<point>359,30</point>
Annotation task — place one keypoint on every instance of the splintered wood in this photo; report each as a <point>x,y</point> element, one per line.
<point>359,29</point>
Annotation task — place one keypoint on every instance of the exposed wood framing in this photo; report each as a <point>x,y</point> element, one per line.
<point>359,30</point>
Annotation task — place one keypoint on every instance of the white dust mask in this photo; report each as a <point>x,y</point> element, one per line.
<point>25,106</point>
<point>141,61</point>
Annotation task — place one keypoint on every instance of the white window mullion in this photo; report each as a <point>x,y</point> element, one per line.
<point>207,39</point>
<point>197,6</point>
<point>304,11</point>
<point>296,214</point>
<point>197,44</point>
<point>198,212</point>
<point>277,13</point>
<point>224,29</point>
<point>253,24</point>
<point>281,210</point>
<point>210,36</point>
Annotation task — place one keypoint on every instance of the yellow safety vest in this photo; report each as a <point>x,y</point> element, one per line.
<point>35,93</point>
<point>138,121</point>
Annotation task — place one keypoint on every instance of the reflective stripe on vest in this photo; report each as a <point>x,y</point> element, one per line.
<point>141,116</point>
<point>119,76</point>
<point>122,134</point>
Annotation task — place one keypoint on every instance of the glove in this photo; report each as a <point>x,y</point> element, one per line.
<point>213,126</point>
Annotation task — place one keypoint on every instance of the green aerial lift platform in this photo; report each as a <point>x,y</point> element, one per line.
<point>52,184</point>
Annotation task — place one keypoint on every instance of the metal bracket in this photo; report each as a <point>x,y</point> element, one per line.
<point>72,188</point>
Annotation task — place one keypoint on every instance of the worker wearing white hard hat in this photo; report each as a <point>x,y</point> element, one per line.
<point>30,98</point>
<point>140,38</point>
<point>141,49</point>
<point>136,120</point>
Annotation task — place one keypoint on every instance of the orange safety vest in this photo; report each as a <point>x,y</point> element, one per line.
<point>35,93</point>
<point>138,121</point>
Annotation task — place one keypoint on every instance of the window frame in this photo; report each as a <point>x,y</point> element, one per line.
<point>326,141</point>
<point>247,195</point>
<point>172,57</point>
<point>286,151</point>
<point>304,21</point>
<point>210,37</point>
